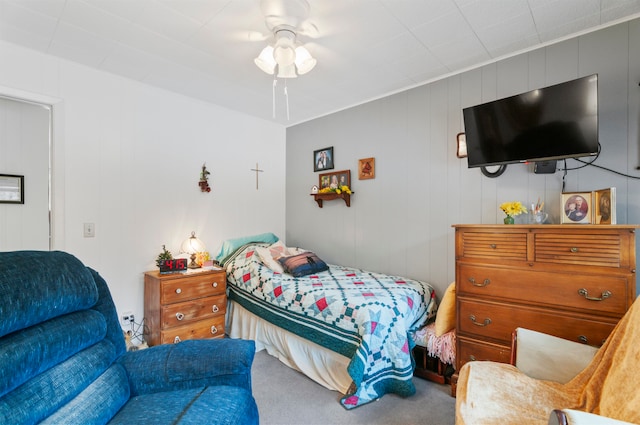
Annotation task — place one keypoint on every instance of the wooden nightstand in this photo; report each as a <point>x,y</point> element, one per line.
<point>184,306</point>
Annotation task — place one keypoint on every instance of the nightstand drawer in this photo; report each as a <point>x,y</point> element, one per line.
<point>198,309</point>
<point>497,321</point>
<point>210,328</point>
<point>596,292</point>
<point>192,287</point>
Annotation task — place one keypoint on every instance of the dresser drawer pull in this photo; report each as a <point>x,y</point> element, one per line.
<point>472,357</point>
<point>486,322</point>
<point>176,340</point>
<point>574,250</point>
<point>179,316</point>
<point>583,339</point>
<point>585,294</point>
<point>178,291</point>
<point>484,282</point>
<point>493,246</point>
<point>214,284</point>
<point>215,308</point>
<point>214,330</point>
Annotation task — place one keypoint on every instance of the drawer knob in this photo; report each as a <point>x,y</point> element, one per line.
<point>472,357</point>
<point>486,322</point>
<point>215,308</point>
<point>178,291</point>
<point>176,340</point>
<point>585,294</point>
<point>214,284</point>
<point>179,316</point>
<point>493,246</point>
<point>583,339</point>
<point>574,249</point>
<point>214,330</point>
<point>484,282</point>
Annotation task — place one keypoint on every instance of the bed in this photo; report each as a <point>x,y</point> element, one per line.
<point>345,328</point>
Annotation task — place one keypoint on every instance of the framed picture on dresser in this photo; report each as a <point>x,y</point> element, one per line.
<point>576,208</point>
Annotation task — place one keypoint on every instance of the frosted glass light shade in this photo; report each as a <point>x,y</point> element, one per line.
<point>304,61</point>
<point>287,71</point>
<point>192,246</point>
<point>265,61</point>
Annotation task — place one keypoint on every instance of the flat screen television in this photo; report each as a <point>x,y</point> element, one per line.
<point>555,122</point>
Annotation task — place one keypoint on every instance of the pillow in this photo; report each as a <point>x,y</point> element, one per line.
<point>268,260</point>
<point>230,245</point>
<point>446,316</point>
<point>303,264</point>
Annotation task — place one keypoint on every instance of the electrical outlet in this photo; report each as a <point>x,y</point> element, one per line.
<point>127,318</point>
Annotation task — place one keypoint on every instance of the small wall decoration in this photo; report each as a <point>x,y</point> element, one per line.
<point>323,159</point>
<point>335,180</point>
<point>366,168</point>
<point>576,208</point>
<point>204,179</point>
<point>11,189</point>
<point>314,189</point>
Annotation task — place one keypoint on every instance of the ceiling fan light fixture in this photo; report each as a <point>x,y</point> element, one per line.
<point>304,61</point>
<point>266,61</point>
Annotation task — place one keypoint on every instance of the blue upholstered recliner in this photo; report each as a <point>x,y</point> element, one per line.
<point>63,358</point>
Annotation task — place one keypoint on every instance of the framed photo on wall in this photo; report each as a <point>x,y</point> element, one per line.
<point>335,179</point>
<point>323,159</point>
<point>366,168</point>
<point>576,208</point>
<point>11,189</point>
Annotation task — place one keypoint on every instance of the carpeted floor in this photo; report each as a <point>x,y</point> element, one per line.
<point>287,397</point>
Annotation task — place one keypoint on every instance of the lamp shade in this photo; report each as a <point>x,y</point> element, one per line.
<point>192,245</point>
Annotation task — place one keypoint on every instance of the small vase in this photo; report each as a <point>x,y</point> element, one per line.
<point>509,220</point>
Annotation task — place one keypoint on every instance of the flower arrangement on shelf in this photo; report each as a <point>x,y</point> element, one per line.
<point>512,209</point>
<point>338,190</point>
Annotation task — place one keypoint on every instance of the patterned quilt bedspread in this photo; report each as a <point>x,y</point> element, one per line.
<point>364,316</point>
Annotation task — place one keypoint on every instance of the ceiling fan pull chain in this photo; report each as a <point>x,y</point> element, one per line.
<point>273,96</point>
<point>286,98</point>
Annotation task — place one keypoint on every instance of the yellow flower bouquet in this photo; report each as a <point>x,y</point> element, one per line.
<point>512,209</point>
<point>337,190</point>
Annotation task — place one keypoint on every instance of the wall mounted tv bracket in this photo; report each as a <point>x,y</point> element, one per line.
<point>493,171</point>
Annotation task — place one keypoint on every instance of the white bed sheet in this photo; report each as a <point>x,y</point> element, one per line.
<point>322,365</point>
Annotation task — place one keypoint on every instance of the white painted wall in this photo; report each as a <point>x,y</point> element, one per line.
<point>127,157</point>
<point>400,222</point>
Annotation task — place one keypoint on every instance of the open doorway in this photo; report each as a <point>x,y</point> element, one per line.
<point>25,150</point>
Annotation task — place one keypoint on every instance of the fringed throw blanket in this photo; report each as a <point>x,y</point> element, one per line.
<point>364,316</point>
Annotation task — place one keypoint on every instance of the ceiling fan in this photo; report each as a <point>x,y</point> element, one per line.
<point>285,56</point>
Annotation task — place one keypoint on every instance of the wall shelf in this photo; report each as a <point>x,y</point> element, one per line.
<point>320,197</point>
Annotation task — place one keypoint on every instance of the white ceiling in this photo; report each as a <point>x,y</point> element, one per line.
<point>366,49</point>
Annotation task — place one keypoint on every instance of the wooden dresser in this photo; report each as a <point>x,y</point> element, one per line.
<point>571,281</point>
<point>184,306</point>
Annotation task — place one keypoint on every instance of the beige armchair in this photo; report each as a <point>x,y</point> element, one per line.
<point>555,381</point>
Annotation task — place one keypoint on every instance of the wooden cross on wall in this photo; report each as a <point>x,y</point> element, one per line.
<point>257,170</point>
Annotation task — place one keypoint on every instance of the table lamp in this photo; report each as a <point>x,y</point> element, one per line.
<point>192,246</point>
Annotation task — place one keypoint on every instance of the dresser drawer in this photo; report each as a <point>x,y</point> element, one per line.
<point>497,321</point>
<point>201,308</point>
<point>598,293</point>
<point>471,350</point>
<point>188,288</point>
<point>210,328</point>
<point>588,249</point>
<point>510,246</point>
